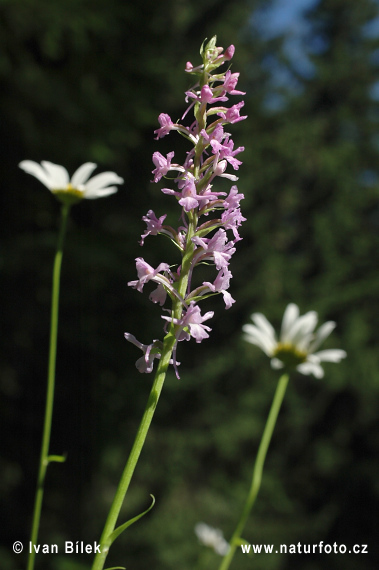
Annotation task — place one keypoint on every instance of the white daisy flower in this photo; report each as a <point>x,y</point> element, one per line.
<point>297,342</point>
<point>212,537</point>
<point>57,180</point>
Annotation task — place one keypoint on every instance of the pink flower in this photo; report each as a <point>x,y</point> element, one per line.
<point>229,52</point>
<point>159,295</point>
<point>151,351</point>
<point>219,168</point>
<point>208,194</point>
<point>147,273</point>
<point>206,96</point>
<point>188,198</point>
<point>220,285</point>
<point>194,321</point>
<point>231,220</point>
<point>225,151</point>
<point>217,134</point>
<point>232,115</point>
<point>145,363</point>
<point>233,200</point>
<point>230,82</point>
<point>163,165</point>
<point>166,125</point>
<point>154,225</point>
<point>217,248</point>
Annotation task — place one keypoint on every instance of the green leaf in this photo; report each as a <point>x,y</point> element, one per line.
<point>211,44</point>
<point>202,46</point>
<point>124,526</point>
<point>116,568</point>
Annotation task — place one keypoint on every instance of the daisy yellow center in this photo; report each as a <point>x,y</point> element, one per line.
<point>69,195</point>
<point>289,354</point>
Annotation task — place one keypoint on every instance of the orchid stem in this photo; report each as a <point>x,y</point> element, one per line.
<point>44,458</point>
<point>258,470</point>
<point>106,539</point>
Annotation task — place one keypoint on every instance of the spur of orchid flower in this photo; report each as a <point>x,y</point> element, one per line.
<point>69,191</point>
<point>297,342</point>
<point>207,214</point>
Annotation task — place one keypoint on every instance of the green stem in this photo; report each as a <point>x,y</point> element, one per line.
<point>44,459</point>
<point>258,469</point>
<point>105,540</point>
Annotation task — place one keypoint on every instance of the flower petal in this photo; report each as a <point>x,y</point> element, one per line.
<point>276,363</point>
<point>310,368</point>
<point>101,181</point>
<point>93,194</point>
<point>303,343</point>
<point>291,314</point>
<point>259,338</point>
<point>302,327</point>
<point>82,174</point>
<point>321,334</point>
<point>264,325</point>
<point>37,171</point>
<point>228,299</point>
<point>58,175</point>
<point>331,355</point>
<point>131,338</point>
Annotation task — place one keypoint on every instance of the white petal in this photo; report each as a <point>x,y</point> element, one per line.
<point>58,175</point>
<point>92,194</point>
<point>222,547</point>
<point>37,171</point>
<point>101,181</point>
<point>276,363</point>
<point>331,355</point>
<point>311,368</point>
<point>259,338</point>
<point>264,325</point>
<point>302,327</point>
<point>291,314</point>
<point>321,334</point>
<point>313,358</point>
<point>81,175</point>
<point>303,343</point>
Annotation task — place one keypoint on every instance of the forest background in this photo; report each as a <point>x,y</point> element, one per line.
<point>85,81</point>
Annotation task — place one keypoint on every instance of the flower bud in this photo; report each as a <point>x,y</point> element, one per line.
<point>220,168</point>
<point>229,52</point>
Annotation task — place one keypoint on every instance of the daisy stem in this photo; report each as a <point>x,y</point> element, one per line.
<point>106,538</point>
<point>44,458</point>
<point>236,539</point>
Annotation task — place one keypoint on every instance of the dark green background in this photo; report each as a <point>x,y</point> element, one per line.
<point>85,81</point>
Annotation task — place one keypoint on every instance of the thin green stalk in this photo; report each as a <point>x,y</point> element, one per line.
<point>45,459</point>
<point>106,540</point>
<point>258,469</point>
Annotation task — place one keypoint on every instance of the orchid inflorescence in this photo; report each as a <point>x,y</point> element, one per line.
<point>200,239</point>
